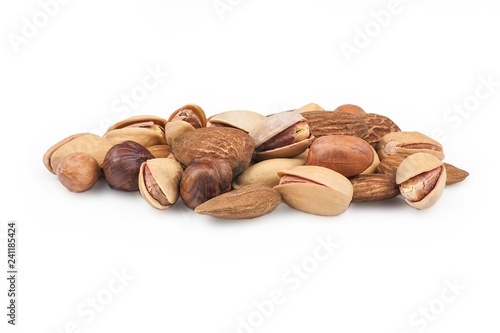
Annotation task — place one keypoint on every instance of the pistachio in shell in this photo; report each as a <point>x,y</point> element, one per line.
<point>408,143</point>
<point>78,172</point>
<point>233,145</point>
<point>159,180</point>
<point>315,190</point>
<point>204,179</point>
<point>347,155</point>
<point>265,173</point>
<point>91,144</point>
<point>247,202</point>
<point>421,178</point>
<point>285,134</point>
<point>160,151</point>
<point>122,165</point>
<point>309,107</point>
<point>146,130</point>
<point>240,119</point>
<point>185,119</point>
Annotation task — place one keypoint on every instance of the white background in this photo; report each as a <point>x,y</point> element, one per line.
<point>193,273</point>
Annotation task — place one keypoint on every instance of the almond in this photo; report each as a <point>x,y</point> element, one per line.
<point>374,187</point>
<point>322,123</point>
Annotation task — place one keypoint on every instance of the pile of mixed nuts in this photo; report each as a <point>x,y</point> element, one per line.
<point>241,164</point>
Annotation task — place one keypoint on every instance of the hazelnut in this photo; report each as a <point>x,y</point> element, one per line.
<point>78,172</point>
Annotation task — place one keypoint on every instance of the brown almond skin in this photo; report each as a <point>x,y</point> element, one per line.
<point>78,172</point>
<point>374,187</point>
<point>347,155</point>
<point>204,179</point>
<point>350,108</point>
<point>323,123</point>
<point>247,202</point>
<point>233,145</point>
<point>378,126</point>
<point>454,175</point>
<point>122,165</point>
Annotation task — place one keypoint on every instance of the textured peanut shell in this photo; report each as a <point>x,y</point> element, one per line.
<point>91,144</point>
<point>167,174</point>
<point>406,138</point>
<point>265,173</point>
<point>331,196</point>
<point>240,119</point>
<point>138,119</point>
<point>144,136</point>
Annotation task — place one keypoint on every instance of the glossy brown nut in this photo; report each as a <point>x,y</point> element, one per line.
<point>347,155</point>
<point>350,108</point>
<point>78,172</point>
<point>233,145</point>
<point>204,179</point>
<point>122,165</point>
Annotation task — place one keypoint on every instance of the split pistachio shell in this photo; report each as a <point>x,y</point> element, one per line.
<point>274,125</point>
<point>138,119</point>
<point>309,107</point>
<point>175,127</point>
<point>240,119</point>
<point>372,168</point>
<point>167,174</point>
<point>327,192</point>
<point>265,173</point>
<point>91,144</point>
<point>408,143</point>
<point>415,165</point>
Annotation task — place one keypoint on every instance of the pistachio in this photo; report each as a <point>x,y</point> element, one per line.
<point>204,179</point>
<point>242,120</point>
<point>408,143</point>
<point>323,123</point>
<point>159,180</point>
<point>160,151</point>
<point>91,144</point>
<point>347,155</point>
<point>145,130</point>
<point>185,119</point>
<point>78,172</point>
<point>230,144</point>
<point>265,173</point>
<point>245,203</point>
<point>421,178</point>
<point>350,108</point>
<point>122,165</point>
<point>284,134</point>
<point>309,107</point>
<point>315,190</point>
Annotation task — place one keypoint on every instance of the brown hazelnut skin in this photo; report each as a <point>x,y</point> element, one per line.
<point>122,165</point>
<point>78,172</point>
<point>204,179</point>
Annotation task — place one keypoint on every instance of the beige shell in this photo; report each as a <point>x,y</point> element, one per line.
<point>196,109</point>
<point>391,143</point>
<point>167,173</point>
<point>419,163</point>
<point>91,144</point>
<point>138,119</point>
<point>176,128</point>
<point>372,168</point>
<point>309,107</point>
<point>240,119</point>
<point>145,137</point>
<point>331,196</point>
<point>276,124</point>
<point>266,172</point>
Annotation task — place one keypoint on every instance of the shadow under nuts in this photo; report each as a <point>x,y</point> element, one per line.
<point>78,172</point>
<point>347,155</point>
<point>204,179</point>
<point>122,165</point>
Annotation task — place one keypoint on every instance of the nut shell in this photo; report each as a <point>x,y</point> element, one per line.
<point>143,136</point>
<point>309,107</point>
<point>347,155</point>
<point>78,172</point>
<point>167,174</point>
<point>91,144</point>
<point>196,109</point>
<point>330,193</point>
<point>138,119</point>
<point>160,151</point>
<point>231,144</point>
<point>399,143</point>
<point>240,119</point>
